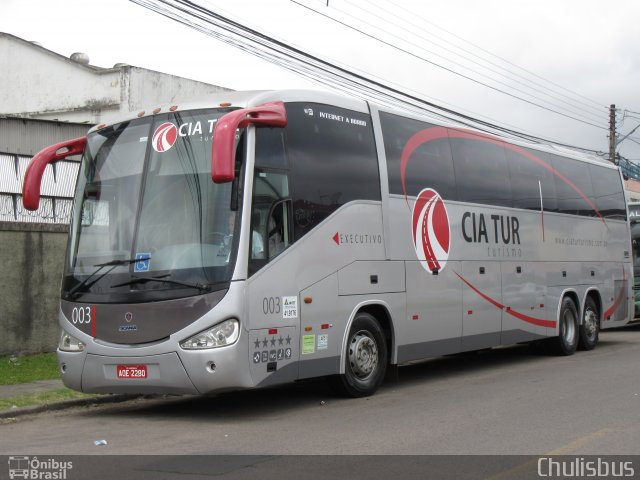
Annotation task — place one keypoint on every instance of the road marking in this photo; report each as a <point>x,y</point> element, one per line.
<point>518,470</point>
<point>564,450</point>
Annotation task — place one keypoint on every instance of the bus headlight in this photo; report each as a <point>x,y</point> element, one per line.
<point>69,343</point>
<point>220,335</point>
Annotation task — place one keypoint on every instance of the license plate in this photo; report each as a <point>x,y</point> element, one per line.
<point>132,371</point>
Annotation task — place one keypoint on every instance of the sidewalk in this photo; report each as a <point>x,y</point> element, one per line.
<point>8,391</point>
<point>43,386</point>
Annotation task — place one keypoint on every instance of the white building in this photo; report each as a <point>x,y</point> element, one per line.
<point>46,98</point>
<point>38,83</point>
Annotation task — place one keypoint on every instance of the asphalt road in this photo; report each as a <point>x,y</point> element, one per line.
<point>505,401</point>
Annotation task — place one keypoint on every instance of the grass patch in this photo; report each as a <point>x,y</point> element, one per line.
<point>41,398</point>
<point>14,370</point>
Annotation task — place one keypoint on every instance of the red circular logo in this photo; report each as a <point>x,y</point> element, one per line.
<point>164,137</point>
<point>431,230</point>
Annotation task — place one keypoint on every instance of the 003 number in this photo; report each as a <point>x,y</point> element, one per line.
<point>81,315</point>
<point>271,305</point>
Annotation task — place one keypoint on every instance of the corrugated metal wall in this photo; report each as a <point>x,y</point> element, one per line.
<point>27,137</point>
<point>20,139</point>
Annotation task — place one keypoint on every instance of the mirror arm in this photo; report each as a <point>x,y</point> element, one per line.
<point>33,176</point>
<point>224,136</point>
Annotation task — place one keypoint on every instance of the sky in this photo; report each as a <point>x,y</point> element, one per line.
<point>549,68</point>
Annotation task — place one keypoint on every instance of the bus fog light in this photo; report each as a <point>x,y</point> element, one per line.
<point>211,367</point>
<point>69,343</point>
<point>220,335</point>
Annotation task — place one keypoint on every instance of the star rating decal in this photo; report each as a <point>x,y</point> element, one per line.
<point>262,356</point>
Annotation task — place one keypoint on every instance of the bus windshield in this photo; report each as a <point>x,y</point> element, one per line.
<point>148,222</point>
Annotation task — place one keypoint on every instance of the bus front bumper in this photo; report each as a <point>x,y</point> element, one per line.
<point>164,373</point>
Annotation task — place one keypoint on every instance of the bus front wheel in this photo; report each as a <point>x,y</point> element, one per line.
<point>365,358</point>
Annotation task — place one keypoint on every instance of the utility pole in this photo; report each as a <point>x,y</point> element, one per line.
<point>612,133</point>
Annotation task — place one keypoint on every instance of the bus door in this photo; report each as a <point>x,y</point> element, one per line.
<point>273,303</point>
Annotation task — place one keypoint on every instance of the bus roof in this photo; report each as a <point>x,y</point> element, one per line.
<point>246,99</point>
<point>252,98</point>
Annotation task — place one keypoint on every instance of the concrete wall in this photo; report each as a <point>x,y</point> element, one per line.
<point>32,259</point>
<point>632,188</point>
<point>145,89</point>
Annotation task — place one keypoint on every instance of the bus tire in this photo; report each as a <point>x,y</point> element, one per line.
<point>566,342</point>
<point>590,329</point>
<point>365,358</point>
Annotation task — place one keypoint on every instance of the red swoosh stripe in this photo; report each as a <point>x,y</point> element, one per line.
<point>520,316</point>
<point>94,316</point>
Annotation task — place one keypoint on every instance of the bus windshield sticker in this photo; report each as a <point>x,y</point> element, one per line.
<point>290,307</point>
<point>164,137</point>
<point>144,262</point>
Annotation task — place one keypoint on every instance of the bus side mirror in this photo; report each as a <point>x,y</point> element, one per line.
<point>35,170</point>
<point>224,135</point>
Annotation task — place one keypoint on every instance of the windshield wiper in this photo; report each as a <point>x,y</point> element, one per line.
<point>113,264</point>
<point>134,280</point>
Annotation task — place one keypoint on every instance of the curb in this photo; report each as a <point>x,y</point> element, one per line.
<point>78,402</point>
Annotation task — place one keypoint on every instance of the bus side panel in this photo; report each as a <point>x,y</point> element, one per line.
<point>433,323</point>
<point>592,253</point>
<point>371,278</point>
<point>481,319</point>
<point>524,297</point>
<point>322,327</point>
<point>617,296</point>
<point>327,317</point>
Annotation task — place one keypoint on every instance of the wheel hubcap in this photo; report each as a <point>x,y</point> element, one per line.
<point>363,354</point>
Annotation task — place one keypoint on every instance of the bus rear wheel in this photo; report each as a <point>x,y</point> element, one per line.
<point>566,342</point>
<point>365,358</point>
<point>590,328</point>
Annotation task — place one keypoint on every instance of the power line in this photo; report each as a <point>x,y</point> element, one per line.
<point>441,102</point>
<point>448,69</point>
<point>599,104</point>
<point>370,75</point>
<point>275,51</point>
<point>508,75</point>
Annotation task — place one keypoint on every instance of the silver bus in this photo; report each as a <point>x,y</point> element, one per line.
<point>266,237</point>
